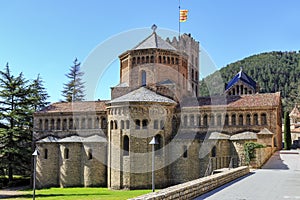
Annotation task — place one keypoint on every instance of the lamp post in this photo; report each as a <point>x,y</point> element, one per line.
<point>35,154</point>
<point>153,142</point>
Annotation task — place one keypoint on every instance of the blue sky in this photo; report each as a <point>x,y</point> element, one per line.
<point>44,37</point>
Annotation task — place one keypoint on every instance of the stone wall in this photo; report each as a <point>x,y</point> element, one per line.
<point>261,156</point>
<point>195,188</point>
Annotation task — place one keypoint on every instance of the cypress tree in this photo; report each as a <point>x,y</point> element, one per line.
<point>287,132</point>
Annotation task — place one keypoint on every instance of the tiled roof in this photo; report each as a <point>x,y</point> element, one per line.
<point>218,136</point>
<point>253,100</point>
<point>74,138</point>
<point>244,136</point>
<point>154,41</point>
<point>265,131</point>
<point>142,95</point>
<point>82,106</point>
<point>242,76</point>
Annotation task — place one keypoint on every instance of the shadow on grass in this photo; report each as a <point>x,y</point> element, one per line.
<point>52,195</point>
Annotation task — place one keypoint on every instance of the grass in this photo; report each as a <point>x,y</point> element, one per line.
<point>82,193</point>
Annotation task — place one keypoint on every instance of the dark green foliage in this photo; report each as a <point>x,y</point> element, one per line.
<point>249,148</point>
<point>18,102</point>
<point>287,132</point>
<point>273,71</point>
<point>74,89</point>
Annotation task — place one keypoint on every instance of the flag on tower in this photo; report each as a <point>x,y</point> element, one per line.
<point>183,15</point>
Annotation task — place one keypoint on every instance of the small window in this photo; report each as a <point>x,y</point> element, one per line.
<point>122,124</point>
<point>52,124</point>
<point>58,124</point>
<point>70,123</point>
<point>255,119</point>
<point>66,153</point>
<point>185,121</point>
<point>241,120</point>
<point>116,124</point>
<point>46,125</point>
<point>248,119</point>
<point>90,123</point>
<point>46,154</point>
<point>155,125</point>
<point>263,119</point>
<point>127,124</point>
<point>192,121</point>
<point>41,124</point>
<point>214,152</point>
<point>205,123</point>
<point>212,120</point>
<point>144,78</point>
<point>145,124</point>
<point>233,120</point>
<point>137,124</point>
<point>159,145</point>
<point>125,145</point>
<point>185,151</point>
<point>90,154</point>
<point>64,124</point>
<point>226,123</point>
<point>162,125</point>
<point>83,124</point>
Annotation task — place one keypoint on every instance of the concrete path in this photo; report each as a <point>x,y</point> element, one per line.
<point>279,179</point>
<point>12,192</point>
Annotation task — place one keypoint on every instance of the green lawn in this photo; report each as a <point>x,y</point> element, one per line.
<point>82,193</point>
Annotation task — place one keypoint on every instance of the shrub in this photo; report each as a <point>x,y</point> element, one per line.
<point>249,148</point>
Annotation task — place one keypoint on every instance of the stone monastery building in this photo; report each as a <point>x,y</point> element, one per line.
<point>106,143</point>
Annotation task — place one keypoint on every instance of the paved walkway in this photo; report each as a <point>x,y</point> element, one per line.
<point>279,179</point>
<point>11,192</point>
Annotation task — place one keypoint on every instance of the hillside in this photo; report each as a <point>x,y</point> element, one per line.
<point>273,71</point>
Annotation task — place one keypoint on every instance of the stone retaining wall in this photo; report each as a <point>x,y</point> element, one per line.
<point>195,188</point>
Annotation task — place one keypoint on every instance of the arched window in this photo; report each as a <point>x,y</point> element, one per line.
<point>233,91</point>
<point>138,60</point>
<point>111,124</point>
<point>205,123</point>
<point>219,120</point>
<point>145,124</point>
<point>143,59</point>
<point>83,123</point>
<point>90,154</point>
<point>76,123</point>
<point>58,124</point>
<point>185,121</point>
<point>212,120</point>
<point>263,118</point>
<point>159,145</point>
<point>155,124</point>
<point>226,122</point>
<point>127,124</point>
<point>133,61</point>
<point>159,59</point>
<point>214,151</point>
<point>46,125</point>
<point>233,119</point>
<point>122,124</point>
<point>97,122</point>
<point>248,119</point>
<point>46,154</point>
<point>144,78</point>
<point>70,123</point>
<point>255,119</point>
<point>152,59</point>
<point>198,120</point>
<point>64,126</point>
<point>137,124</point>
<point>192,120</point>
<point>116,124</point>
<point>241,119</point>
<point>52,124</point>
<point>66,153</point>
<point>162,125</point>
<point>90,123</point>
<point>41,124</point>
<point>125,145</point>
<point>103,122</point>
<point>147,59</point>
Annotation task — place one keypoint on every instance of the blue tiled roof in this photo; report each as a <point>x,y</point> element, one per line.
<point>244,78</point>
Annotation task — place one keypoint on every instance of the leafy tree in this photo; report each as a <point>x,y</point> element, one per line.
<point>287,132</point>
<point>16,137</point>
<point>74,89</point>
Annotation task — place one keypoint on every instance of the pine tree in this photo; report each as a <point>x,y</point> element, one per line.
<point>15,149</point>
<point>74,89</point>
<point>287,132</point>
<point>38,94</point>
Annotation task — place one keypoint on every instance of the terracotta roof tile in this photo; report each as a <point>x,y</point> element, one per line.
<point>83,106</point>
<point>254,100</point>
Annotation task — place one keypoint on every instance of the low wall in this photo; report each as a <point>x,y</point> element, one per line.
<point>261,156</point>
<point>195,188</point>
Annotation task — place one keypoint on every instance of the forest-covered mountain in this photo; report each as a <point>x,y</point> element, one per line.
<point>273,71</point>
